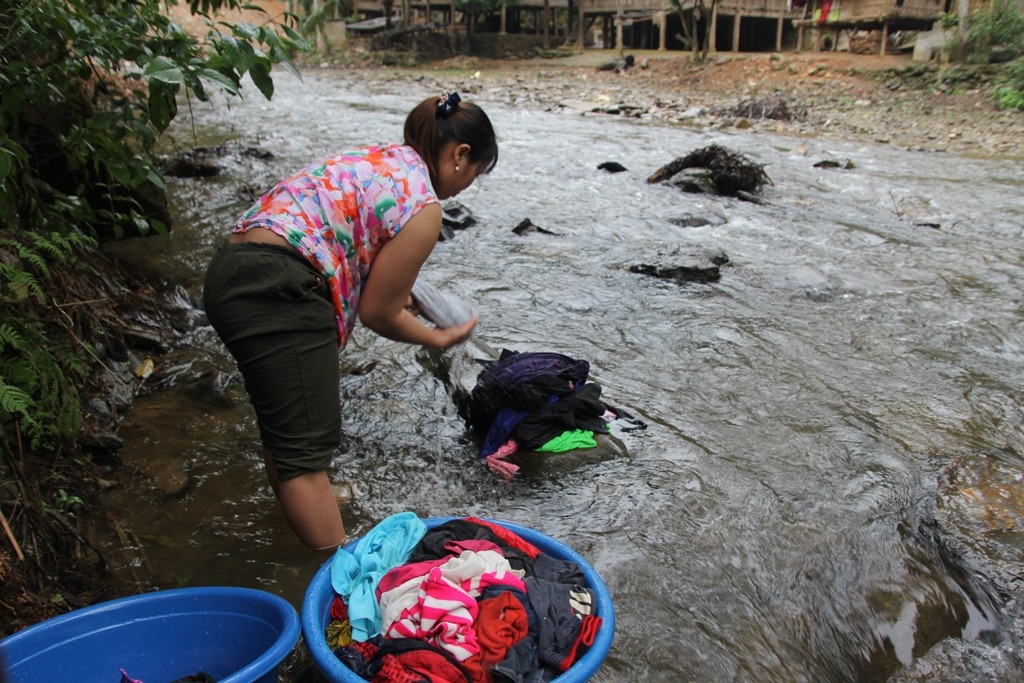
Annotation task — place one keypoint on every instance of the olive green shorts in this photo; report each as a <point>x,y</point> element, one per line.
<point>273,311</point>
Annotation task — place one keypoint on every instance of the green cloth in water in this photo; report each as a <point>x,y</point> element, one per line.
<point>570,440</point>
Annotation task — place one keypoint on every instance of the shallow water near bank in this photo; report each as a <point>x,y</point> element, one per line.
<point>774,521</point>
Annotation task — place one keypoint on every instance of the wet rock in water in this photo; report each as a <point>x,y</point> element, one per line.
<point>980,514</point>
<point>729,173</point>
<point>694,181</point>
<point>611,167</point>
<point>454,216</point>
<point>457,216</point>
<point>684,264</point>
<point>170,476</point>
<point>844,165</point>
<point>460,367</point>
<point>526,226</point>
<point>105,442</point>
<point>918,211</point>
<point>146,339</point>
<point>189,166</point>
<point>204,161</point>
<point>695,221</point>
<point>956,660</point>
<point>908,620</point>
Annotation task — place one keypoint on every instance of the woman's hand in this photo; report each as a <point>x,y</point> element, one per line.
<point>458,333</point>
<point>412,306</point>
<point>384,305</point>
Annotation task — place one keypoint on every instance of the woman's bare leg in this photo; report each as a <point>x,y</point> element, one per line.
<point>310,507</point>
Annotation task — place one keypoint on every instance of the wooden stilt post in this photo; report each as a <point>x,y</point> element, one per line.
<point>712,36</point>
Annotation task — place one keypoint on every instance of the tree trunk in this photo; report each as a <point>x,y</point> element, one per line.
<point>963,15</point>
<point>322,46</point>
<point>545,14</point>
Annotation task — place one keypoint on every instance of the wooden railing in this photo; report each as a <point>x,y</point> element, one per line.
<point>594,6</point>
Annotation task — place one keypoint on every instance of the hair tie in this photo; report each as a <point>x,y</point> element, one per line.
<point>448,103</point>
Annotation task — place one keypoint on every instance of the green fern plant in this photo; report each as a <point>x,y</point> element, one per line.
<point>1009,89</point>
<point>39,363</point>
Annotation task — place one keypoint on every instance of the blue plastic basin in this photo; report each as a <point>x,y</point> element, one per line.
<point>236,635</point>
<point>316,611</point>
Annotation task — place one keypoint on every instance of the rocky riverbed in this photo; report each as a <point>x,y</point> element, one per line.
<point>878,98</point>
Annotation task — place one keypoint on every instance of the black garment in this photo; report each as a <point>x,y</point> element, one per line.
<point>273,311</point>
<point>538,392</point>
<point>431,546</point>
<point>495,384</point>
<point>581,409</point>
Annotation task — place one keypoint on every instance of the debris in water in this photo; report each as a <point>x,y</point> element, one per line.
<point>729,173</point>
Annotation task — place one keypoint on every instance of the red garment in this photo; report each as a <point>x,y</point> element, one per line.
<point>339,610</point>
<point>588,633</point>
<point>509,536</point>
<point>501,623</point>
<point>417,666</point>
<point>826,7</point>
<point>406,572</point>
<point>364,648</point>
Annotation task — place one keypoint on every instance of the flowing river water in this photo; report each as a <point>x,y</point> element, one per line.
<point>776,519</point>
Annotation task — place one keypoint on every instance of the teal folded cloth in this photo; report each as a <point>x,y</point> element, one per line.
<point>355,574</point>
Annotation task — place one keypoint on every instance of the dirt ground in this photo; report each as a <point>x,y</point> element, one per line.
<point>879,98</point>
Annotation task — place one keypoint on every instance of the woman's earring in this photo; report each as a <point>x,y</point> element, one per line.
<point>456,168</point>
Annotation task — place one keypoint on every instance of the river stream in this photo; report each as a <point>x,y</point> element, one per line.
<point>774,521</point>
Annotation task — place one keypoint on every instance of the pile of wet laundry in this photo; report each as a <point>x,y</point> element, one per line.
<point>538,401</point>
<point>466,601</point>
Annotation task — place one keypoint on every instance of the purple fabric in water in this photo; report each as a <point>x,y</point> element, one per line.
<point>512,369</point>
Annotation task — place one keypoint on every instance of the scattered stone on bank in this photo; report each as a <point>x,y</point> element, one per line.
<point>775,108</point>
<point>618,65</point>
<point>684,264</point>
<point>721,171</point>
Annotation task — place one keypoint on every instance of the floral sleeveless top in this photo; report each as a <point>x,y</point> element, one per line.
<point>339,212</point>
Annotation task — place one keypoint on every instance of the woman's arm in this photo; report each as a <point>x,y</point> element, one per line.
<point>382,303</point>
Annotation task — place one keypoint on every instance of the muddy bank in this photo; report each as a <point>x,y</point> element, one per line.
<point>126,322</point>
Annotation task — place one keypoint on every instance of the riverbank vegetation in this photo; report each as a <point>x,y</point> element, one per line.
<point>86,89</point>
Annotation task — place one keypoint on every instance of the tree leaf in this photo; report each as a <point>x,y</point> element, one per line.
<point>260,75</point>
<point>164,70</point>
<point>220,79</point>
